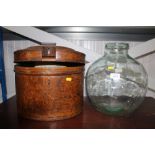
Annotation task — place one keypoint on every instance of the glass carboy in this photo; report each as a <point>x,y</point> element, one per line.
<point>116,84</point>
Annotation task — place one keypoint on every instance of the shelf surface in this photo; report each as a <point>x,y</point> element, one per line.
<point>142,118</point>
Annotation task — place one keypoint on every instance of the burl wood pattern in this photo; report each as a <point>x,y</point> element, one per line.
<point>53,95</point>
<point>49,93</point>
<point>62,54</point>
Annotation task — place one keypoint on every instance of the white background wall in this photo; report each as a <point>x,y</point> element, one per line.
<point>96,46</point>
<point>9,48</point>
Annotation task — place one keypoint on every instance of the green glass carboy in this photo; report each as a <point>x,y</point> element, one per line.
<point>116,84</point>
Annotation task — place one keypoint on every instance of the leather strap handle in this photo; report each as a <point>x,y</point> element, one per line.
<point>49,50</point>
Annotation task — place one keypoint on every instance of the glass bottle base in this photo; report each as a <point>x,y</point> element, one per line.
<point>118,106</point>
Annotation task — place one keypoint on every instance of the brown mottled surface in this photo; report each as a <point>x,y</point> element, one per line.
<point>143,118</point>
<point>62,54</point>
<point>49,93</point>
<point>49,96</point>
